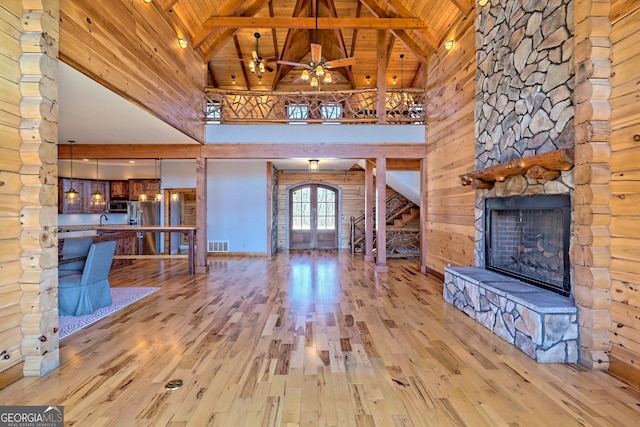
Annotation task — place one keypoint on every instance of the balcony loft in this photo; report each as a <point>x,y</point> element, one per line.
<point>402,107</point>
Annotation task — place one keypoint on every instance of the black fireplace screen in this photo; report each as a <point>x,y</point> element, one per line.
<point>528,238</point>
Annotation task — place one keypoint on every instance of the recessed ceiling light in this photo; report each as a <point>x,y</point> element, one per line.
<point>132,161</point>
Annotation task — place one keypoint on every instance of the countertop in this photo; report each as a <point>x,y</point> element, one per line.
<point>124,227</point>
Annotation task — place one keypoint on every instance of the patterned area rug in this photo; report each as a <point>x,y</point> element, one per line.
<point>121,297</point>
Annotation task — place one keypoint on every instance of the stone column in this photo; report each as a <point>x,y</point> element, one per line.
<point>39,191</point>
<point>590,254</point>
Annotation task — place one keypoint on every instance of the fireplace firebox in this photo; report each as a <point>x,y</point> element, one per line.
<point>527,237</point>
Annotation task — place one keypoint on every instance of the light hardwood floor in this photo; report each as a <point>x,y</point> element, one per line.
<point>308,339</point>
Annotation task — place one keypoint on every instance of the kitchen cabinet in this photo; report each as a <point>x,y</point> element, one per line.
<point>150,187</point>
<point>119,190</point>
<point>84,187</point>
<point>64,185</point>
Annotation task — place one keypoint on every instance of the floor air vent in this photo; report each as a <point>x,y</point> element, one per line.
<point>218,246</point>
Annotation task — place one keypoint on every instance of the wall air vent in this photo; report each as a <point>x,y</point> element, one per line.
<point>218,246</point>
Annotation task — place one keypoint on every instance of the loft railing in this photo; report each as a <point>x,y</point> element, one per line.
<point>403,106</point>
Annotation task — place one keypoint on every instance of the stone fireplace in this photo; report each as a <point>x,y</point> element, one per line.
<point>527,238</point>
<point>521,286</point>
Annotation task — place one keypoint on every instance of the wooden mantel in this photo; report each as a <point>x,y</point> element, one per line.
<point>542,166</point>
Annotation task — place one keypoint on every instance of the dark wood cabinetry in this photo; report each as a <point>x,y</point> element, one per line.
<point>149,187</point>
<point>84,187</point>
<point>119,190</point>
<point>112,190</point>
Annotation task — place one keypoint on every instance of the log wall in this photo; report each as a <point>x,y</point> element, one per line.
<point>450,152</point>
<point>28,189</point>
<point>352,185</point>
<point>139,58</point>
<point>625,190</point>
<point>10,163</point>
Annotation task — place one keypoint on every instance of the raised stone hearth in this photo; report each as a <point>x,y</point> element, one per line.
<point>541,323</point>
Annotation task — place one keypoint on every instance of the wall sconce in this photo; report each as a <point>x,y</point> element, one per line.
<point>394,79</point>
<point>368,77</point>
<point>233,79</point>
<point>483,2</point>
<point>448,44</point>
<point>314,165</point>
<point>182,42</point>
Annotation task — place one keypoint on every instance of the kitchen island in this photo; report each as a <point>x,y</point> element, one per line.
<point>104,230</point>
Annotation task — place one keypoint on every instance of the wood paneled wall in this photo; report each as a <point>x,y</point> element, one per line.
<point>139,58</point>
<point>625,189</point>
<point>352,185</point>
<point>451,152</point>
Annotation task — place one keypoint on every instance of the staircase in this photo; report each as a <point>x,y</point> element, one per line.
<point>402,225</point>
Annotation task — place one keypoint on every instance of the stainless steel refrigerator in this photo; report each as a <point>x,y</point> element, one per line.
<point>146,213</point>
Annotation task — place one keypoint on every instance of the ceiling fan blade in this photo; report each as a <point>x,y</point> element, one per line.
<point>316,53</point>
<point>268,68</point>
<point>344,62</point>
<point>293,64</point>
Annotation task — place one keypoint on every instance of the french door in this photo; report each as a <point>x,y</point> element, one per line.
<point>313,217</point>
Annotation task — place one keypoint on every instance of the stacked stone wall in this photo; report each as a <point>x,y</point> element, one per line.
<point>524,79</point>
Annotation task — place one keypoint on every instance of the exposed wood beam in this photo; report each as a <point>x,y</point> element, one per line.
<point>274,36</point>
<point>287,49</point>
<point>423,33</point>
<point>212,76</point>
<point>243,66</point>
<point>419,72</point>
<point>463,5</point>
<point>130,151</point>
<point>341,44</point>
<point>401,164</point>
<point>355,30</point>
<point>377,10</point>
<point>310,23</point>
<point>230,8</point>
<point>168,4</point>
<point>242,151</point>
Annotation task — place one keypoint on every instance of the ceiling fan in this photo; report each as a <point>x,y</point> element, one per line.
<point>257,63</point>
<point>317,68</point>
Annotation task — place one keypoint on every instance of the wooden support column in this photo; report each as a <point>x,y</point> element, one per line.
<point>381,80</point>
<point>423,216</point>
<point>369,205</point>
<point>381,215</point>
<point>270,216</point>
<point>201,216</point>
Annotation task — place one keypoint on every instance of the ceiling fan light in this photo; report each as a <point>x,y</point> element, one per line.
<point>252,67</point>
<point>314,82</point>
<point>261,67</point>
<point>305,76</point>
<point>320,71</point>
<point>327,79</point>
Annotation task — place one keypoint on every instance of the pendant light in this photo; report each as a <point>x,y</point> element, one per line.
<point>71,195</point>
<point>97,198</point>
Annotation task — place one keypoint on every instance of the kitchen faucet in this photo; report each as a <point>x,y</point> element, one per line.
<point>105,218</point>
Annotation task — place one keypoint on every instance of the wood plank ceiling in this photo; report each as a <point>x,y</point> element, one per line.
<point>223,32</point>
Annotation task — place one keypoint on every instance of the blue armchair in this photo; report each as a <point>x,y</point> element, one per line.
<point>83,293</point>
<point>74,248</point>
